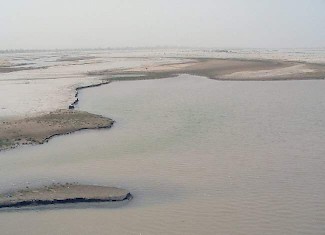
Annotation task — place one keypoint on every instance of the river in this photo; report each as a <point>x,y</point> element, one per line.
<point>200,157</point>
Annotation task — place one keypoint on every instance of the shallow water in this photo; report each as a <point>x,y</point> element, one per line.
<point>199,156</point>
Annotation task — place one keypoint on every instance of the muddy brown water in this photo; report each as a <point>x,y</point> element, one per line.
<point>199,156</point>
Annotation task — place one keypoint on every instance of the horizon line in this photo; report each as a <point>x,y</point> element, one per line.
<point>149,47</point>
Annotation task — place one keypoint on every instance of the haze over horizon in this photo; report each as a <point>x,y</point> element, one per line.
<point>49,24</point>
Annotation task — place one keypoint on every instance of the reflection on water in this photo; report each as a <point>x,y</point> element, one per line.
<point>200,157</point>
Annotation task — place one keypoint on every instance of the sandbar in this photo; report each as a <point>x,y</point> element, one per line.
<point>62,194</point>
<point>39,129</point>
<point>224,69</point>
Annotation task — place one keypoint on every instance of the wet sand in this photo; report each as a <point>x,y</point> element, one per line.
<point>39,129</point>
<point>62,194</point>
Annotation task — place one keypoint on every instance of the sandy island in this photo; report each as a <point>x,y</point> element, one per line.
<point>62,194</point>
<point>37,130</point>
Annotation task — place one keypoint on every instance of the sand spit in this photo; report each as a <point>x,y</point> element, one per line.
<point>62,194</point>
<point>39,129</point>
<point>224,69</point>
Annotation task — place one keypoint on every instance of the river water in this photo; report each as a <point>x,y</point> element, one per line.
<point>200,157</point>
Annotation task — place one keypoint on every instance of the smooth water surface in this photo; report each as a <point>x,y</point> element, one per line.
<point>200,157</point>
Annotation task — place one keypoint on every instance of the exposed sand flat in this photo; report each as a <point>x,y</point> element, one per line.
<point>224,66</point>
<point>295,71</point>
<point>164,67</point>
<point>55,81</point>
<point>234,69</point>
<point>75,58</point>
<point>63,194</point>
<point>37,130</point>
<point>4,62</point>
<point>22,98</point>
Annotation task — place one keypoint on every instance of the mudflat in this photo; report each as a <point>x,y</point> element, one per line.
<point>37,130</point>
<point>63,194</point>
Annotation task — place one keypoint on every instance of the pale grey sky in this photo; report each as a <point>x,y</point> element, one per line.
<point>49,24</point>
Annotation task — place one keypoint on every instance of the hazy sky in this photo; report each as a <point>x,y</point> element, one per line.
<point>40,24</point>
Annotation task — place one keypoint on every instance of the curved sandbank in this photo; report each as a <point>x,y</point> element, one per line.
<point>223,69</point>
<point>39,129</point>
<point>63,194</point>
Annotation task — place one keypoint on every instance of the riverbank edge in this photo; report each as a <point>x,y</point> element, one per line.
<point>71,106</point>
